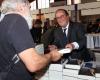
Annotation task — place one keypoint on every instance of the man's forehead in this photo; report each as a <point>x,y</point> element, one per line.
<point>60,12</point>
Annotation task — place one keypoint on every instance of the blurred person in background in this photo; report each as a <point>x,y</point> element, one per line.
<point>46,25</point>
<point>36,31</point>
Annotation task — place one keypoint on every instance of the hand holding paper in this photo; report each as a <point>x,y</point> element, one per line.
<point>65,51</point>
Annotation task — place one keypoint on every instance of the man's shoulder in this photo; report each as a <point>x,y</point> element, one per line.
<point>14,17</point>
<point>76,23</point>
<point>10,19</point>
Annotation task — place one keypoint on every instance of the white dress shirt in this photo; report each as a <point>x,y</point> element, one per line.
<point>74,43</point>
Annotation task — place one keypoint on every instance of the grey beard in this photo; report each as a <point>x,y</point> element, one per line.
<point>29,21</point>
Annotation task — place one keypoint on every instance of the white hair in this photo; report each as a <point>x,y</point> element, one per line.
<point>10,6</point>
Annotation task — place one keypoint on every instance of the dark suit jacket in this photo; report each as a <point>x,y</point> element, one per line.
<point>47,38</point>
<point>76,33</point>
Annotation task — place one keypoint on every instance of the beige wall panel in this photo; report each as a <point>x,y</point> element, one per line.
<point>89,5</point>
<point>90,11</point>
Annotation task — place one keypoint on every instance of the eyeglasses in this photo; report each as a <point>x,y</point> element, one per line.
<point>62,16</point>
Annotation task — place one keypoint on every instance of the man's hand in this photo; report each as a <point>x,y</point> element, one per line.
<point>52,47</point>
<point>55,55</point>
<point>71,46</point>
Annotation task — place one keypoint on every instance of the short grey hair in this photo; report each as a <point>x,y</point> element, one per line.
<point>10,5</point>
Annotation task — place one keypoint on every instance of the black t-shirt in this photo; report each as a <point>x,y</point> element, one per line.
<point>15,37</point>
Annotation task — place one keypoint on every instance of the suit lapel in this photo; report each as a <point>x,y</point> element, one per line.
<point>61,38</point>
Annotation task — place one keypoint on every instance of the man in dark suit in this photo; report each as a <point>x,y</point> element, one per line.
<point>36,31</point>
<point>70,35</point>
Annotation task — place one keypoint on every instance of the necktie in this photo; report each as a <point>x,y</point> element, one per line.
<point>64,31</point>
<point>65,37</point>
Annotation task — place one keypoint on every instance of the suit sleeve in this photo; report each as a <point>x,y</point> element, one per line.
<point>81,36</point>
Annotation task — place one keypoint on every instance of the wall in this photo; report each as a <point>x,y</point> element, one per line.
<point>92,8</point>
<point>89,8</point>
<point>50,12</point>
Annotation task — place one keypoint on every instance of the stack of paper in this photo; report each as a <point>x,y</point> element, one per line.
<point>55,72</point>
<point>70,72</point>
<point>70,66</point>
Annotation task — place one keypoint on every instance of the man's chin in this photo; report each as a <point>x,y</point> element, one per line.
<point>62,25</point>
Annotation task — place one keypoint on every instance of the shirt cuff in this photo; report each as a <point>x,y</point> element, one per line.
<point>76,45</point>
